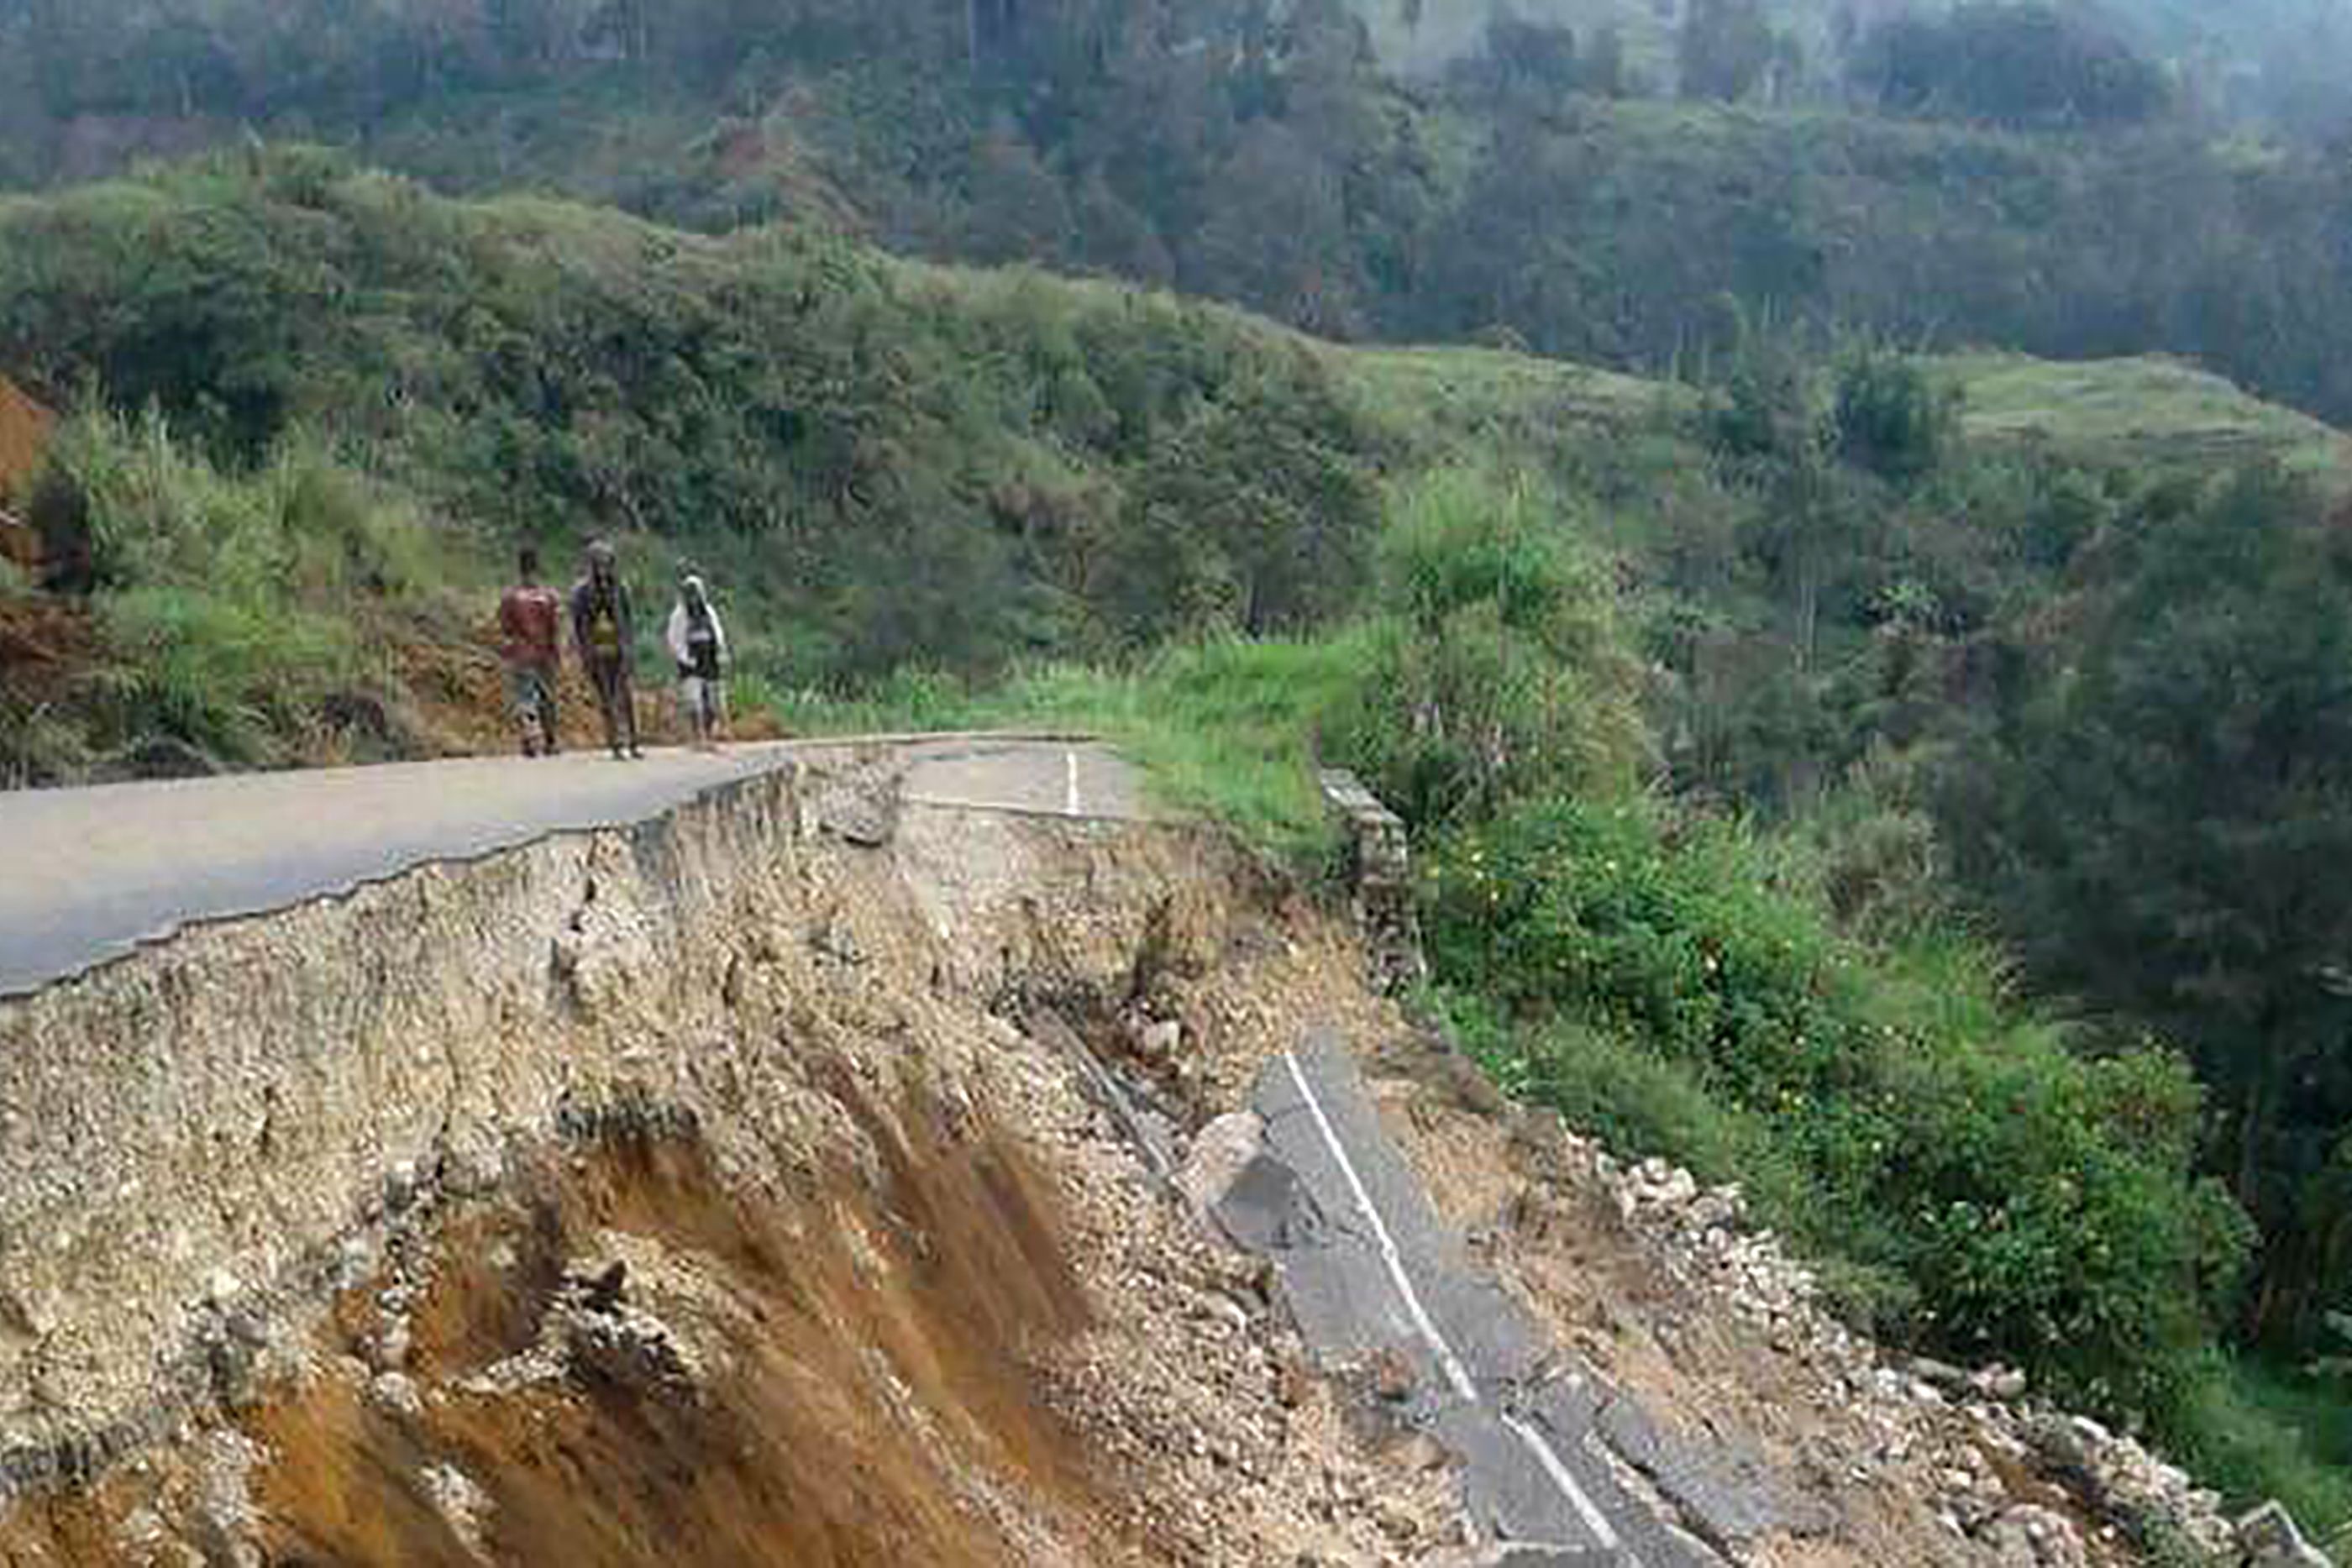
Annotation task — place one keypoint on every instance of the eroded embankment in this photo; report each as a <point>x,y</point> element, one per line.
<point>694,1193</point>
<point>732,1190</point>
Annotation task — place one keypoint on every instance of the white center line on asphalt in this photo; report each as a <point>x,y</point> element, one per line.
<point>1457,1374</point>
<point>1070,783</point>
<point>1549,1458</point>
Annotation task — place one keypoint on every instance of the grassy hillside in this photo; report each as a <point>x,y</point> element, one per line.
<point>884,462</point>
<point>2145,413</point>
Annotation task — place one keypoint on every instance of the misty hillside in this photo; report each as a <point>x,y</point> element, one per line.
<point>2271,62</point>
<point>1988,181</point>
<point>1832,526</point>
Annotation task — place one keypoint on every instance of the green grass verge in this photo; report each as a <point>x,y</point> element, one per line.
<point>2152,412</point>
<point>1223,730</point>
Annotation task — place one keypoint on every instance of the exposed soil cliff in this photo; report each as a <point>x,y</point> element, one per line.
<point>737,1189</point>
<point>691,1194</point>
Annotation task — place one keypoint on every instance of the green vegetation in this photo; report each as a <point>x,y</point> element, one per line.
<point>2202,717</point>
<point>882,464</point>
<point>1585,179</point>
<point>1739,717</point>
<point>2009,64</point>
<point>2138,414</point>
<point>1987,1191</point>
<point>2258,1431</point>
<point>243,615</point>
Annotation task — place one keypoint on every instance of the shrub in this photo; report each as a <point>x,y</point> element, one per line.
<point>2027,1203</point>
<point>1498,666</point>
<point>231,604</point>
<point>1890,418</point>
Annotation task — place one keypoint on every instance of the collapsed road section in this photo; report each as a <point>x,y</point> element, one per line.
<point>1371,1271</point>
<point>845,1166</point>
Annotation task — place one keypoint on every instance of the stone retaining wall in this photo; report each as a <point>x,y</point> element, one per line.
<point>1378,870</point>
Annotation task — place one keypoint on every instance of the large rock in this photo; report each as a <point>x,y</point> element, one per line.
<point>2269,1538</point>
<point>2032,1537</point>
<point>1224,1149</point>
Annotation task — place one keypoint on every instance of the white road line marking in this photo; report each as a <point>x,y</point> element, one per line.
<point>1457,1374</point>
<point>1549,1458</point>
<point>1070,783</point>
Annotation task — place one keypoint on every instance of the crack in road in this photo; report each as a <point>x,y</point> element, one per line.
<point>1378,1271</point>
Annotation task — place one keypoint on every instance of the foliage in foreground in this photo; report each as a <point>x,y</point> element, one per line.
<point>233,612</point>
<point>2000,1194</point>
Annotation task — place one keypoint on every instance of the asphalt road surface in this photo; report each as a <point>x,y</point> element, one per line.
<point>87,875</point>
<point>1368,1270</point>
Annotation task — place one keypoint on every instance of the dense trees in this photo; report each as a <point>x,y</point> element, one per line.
<point>1534,67</point>
<point>1727,48</point>
<point>2010,64</point>
<point>2113,711</point>
<point>1257,153</point>
<point>2171,822</point>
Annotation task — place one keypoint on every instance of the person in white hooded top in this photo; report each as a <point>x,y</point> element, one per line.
<point>699,642</point>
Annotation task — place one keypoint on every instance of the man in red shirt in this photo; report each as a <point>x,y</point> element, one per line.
<point>530,618</point>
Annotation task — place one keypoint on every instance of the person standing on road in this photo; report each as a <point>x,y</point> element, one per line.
<point>699,642</point>
<point>603,630</point>
<point>531,620</point>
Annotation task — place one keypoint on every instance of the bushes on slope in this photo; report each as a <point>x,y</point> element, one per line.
<point>233,610</point>
<point>2003,1195</point>
<point>897,463</point>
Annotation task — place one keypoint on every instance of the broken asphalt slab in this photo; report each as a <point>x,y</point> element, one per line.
<point>1371,1273</point>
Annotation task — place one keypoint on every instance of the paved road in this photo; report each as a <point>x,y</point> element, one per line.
<point>1369,1268</point>
<point>1041,778</point>
<point>93,873</point>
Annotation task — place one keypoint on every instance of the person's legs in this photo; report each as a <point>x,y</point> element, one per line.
<point>606,676</point>
<point>521,696</point>
<point>625,699</point>
<point>544,679</point>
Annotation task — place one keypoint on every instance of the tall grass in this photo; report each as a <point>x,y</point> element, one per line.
<point>231,604</point>
<point>2259,1430</point>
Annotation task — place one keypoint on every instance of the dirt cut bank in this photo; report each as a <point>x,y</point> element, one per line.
<point>767,1185</point>
<point>710,1191</point>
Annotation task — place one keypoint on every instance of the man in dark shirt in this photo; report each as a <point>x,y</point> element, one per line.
<point>531,620</point>
<point>604,633</point>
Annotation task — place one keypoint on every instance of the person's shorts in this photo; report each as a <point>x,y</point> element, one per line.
<point>528,690</point>
<point>694,691</point>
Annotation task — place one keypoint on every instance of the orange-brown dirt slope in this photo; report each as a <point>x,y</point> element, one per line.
<point>24,433</point>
